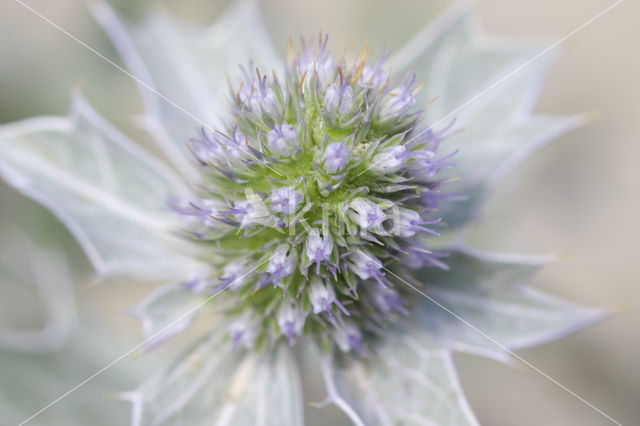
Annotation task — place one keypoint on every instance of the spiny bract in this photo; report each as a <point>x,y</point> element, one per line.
<point>322,181</point>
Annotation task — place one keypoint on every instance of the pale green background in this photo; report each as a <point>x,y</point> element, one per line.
<point>579,197</point>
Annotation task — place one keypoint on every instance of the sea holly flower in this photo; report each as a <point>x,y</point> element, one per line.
<point>286,199</point>
<point>349,337</point>
<point>398,101</point>
<point>242,331</point>
<point>336,157</point>
<point>257,96</point>
<point>235,274</point>
<point>307,204</point>
<point>338,99</point>
<point>291,320</point>
<point>391,159</point>
<point>318,248</point>
<point>282,263</point>
<point>283,140</point>
<point>367,214</point>
<point>365,265</point>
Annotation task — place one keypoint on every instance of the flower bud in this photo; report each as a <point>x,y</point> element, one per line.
<point>282,263</point>
<point>257,96</point>
<point>365,265</point>
<point>243,331</point>
<point>424,165</point>
<point>387,300</point>
<point>339,99</point>
<point>366,214</point>
<point>335,157</point>
<point>318,248</point>
<point>373,76</point>
<point>406,223</point>
<point>322,297</point>
<point>235,274</point>
<point>290,320</point>
<point>319,62</point>
<point>348,336</point>
<point>251,211</point>
<point>198,215</point>
<point>398,101</point>
<point>237,151</point>
<point>390,159</point>
<point>286,199</point>
<point>283,140</point>
<point>207,149</point>
<point>326,69</point>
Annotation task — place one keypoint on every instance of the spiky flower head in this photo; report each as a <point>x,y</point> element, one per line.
<point>322,180</point>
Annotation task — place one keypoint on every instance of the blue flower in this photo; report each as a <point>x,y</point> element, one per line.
<point>336,157</point>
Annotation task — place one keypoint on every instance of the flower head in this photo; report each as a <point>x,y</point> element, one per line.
<point>321,190</point>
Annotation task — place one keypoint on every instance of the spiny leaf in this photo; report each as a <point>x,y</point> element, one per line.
<point>410,380</point>
<point>109,192</point>
<point>212,385</point>
<point>488,291</point>
<point>188,66</point>
<point>165,312</point>
<point>487,87</point>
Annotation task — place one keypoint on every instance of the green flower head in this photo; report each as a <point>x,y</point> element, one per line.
<point>321,181</point>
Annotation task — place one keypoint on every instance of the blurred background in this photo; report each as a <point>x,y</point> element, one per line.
<point>578,197</point>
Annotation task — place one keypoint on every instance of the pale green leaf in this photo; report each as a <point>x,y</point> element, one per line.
<point>493,308</point>
<point>45,351</point>
<point>165,312</point>
<point>184,68</point>
<point>110,193</point>
<point>410,380</point>
<point>30,381</point>
<point>462,64</point>
<point>211,384</point>
<point>489,87</point>
<point>37,308</point>
<point>490,151</point>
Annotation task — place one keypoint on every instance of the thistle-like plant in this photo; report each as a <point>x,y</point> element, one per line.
<point>321,203</point>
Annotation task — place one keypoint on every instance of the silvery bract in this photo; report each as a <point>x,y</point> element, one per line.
<point>41,362</point>
<point>307,204</point>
